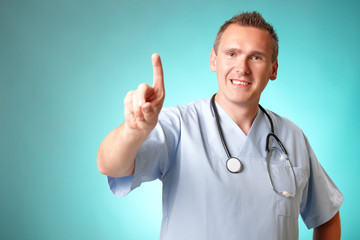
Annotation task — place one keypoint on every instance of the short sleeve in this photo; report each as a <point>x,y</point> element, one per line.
<point>321,198</point>
<point>155,156</point>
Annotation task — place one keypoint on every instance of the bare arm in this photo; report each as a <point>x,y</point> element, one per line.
<point>330,230</point>
<point>116,154</point>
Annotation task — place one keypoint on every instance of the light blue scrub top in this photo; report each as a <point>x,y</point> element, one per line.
<point>203,200</point>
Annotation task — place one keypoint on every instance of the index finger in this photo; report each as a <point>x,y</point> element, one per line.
<point>158,76</point>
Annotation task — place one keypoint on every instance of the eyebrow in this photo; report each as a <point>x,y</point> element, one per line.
<point>255,52</point>
<point>258,53</point>
<point>232,50</point>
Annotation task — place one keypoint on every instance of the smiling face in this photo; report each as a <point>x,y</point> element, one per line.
<point>243,65</point>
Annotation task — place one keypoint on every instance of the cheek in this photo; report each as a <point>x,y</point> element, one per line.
<point>224,69</point>
<point>220,78</point>
<point>262,71</point>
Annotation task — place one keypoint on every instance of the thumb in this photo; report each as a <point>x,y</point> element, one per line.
<point>148,112</point>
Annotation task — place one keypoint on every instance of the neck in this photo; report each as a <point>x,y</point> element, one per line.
<point>242,115</point>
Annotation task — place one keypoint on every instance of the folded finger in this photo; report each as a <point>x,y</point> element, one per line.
<point>136,106</point>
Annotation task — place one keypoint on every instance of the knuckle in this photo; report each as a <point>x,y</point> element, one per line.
<point>130,93</point>
<point>135,106</point>
<point>134,98</point>
<point>128,96</point>
<point>128,101</point>
<point>142,87</point>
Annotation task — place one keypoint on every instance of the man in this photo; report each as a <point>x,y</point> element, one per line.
<point>205,197</point>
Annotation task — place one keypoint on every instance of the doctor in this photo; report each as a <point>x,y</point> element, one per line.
<point>182,147</point>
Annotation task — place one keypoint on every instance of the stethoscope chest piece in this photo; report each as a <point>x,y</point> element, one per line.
<point>234,165</point>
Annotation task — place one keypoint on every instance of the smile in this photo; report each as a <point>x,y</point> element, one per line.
<point>237,82</point>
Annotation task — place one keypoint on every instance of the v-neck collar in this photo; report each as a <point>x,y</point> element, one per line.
<point>239,144</point>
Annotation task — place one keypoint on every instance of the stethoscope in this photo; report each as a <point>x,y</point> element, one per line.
<point>234,164</point>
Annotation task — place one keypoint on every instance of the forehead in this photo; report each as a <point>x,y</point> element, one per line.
<point>237,36</point>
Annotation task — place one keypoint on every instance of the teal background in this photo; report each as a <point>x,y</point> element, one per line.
<point>65,67</point>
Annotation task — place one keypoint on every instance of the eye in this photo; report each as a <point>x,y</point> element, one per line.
<point>255,57</point>
<point>231,54</point>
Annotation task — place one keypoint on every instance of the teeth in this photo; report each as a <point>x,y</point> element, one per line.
<point>239,82</point>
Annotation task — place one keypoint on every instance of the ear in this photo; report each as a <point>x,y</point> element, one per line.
<point>213,60</point>
<point>274,69</point>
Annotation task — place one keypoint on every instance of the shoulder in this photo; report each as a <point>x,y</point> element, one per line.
<point>187,110</point>
<point>176,119</point>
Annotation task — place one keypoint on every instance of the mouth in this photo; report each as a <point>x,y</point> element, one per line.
<point>239,82</point>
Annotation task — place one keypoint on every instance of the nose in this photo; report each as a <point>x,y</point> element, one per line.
<point>242,66</point>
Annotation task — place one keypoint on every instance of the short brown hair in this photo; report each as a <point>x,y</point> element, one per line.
<point>250,19</point>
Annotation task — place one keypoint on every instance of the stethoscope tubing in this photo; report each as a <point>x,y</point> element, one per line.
<point>267,149</point>
<point>217,118</point>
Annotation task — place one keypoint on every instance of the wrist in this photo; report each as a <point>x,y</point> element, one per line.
<point>133,134</point>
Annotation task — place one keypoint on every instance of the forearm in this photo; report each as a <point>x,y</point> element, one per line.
<point>116,154</point>
<point>330,230</point>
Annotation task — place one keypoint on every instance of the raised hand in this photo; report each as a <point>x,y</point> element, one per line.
<point>142,106</point>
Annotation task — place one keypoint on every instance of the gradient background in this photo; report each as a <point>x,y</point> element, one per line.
<point>66,65</point>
